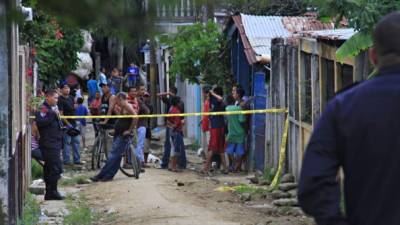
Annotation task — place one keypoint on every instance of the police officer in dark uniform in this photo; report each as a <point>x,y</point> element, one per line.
<point>50,143</point>
<point>359,132</point>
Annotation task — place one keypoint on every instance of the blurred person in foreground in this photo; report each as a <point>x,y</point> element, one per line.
<point>359,132</point>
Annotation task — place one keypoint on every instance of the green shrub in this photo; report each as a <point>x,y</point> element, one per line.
<point>37,170</point>
<point>79,213</point>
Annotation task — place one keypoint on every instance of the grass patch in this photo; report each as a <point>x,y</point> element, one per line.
<point>36,169</point>
<point>31,211</point>
<point>285,209</point>
<point>241,189</point>
<point>79,212</point>
<point>269,174</point>
<point>109,218</point>
<point>82,179</point>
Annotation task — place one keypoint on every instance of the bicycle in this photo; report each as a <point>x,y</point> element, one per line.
<point>99,150</point>
<point>135,164</point>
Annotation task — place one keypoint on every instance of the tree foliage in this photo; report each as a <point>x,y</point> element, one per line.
<point>362,15</point>
<point>264,7</point>
<point>197,54</point>
<point>55,45</point>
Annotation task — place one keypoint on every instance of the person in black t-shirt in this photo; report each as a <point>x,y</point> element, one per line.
<point>66,106</point>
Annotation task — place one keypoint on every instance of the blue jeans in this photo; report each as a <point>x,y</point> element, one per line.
<point>167,148</point>
<point>179,148</point>
<point>114,158</point>
<point>37,154</point>
<point>141,138</point>
<point>71,142</point>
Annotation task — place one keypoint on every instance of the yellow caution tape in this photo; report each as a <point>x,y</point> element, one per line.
<point>180,115</point>
<point>225,189</point>
<point>282,154</point>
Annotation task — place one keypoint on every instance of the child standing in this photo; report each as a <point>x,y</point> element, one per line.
<point>81,110</point>
<point>176,125</point>
<point>236,134</point>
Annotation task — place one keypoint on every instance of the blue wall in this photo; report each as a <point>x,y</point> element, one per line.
<point>240,66</point>
<point>253,82</point>
<point>258,120</point>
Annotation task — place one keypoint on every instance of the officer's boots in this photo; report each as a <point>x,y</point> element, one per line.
<point>52,192</point>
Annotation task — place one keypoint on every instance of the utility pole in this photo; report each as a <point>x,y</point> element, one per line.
<point>153,80</point>
<point>120,55</point>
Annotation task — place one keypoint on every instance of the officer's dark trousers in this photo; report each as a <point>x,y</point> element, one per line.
<point>52,166</point>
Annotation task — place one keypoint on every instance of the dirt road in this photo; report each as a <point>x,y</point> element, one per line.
<point>157,199</point>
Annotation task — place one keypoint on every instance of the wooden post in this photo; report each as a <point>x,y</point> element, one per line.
<point>153,80</point>
<point>4,115</point>
<point>315,87</point>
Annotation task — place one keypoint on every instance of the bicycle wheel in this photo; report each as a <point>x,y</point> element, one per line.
<point>136,166</point>
<point>130,168</point>
<point>100,155</point>
<point>95,154</point>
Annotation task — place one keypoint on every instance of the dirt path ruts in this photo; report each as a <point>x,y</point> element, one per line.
<point>156,199</point>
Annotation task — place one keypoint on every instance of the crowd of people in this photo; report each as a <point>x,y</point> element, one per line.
<point>50,133</point>
<point>117,95</point>
<point>225,134</point>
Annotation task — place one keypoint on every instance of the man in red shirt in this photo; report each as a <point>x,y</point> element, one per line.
<point>175,124</point>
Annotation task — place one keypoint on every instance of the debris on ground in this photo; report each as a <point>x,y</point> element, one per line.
<point>153,159</point>
<point>37,187</point>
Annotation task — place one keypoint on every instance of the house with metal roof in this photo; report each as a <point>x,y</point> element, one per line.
<point>249,43</point>
<point>305,75</point>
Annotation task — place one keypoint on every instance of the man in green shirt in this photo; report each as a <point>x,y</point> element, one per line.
<point>236,135</point>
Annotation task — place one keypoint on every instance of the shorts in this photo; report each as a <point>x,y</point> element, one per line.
<point>178,144</point>
<point>217,140</point>
<point>82,129</point>
<point>235,148</point>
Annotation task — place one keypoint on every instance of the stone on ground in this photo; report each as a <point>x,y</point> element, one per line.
<point>286,202</point>
<point>293,193</point>
<point>295,211</point>
<point>245,197</point>
<point>264,182</point>
<point>37,187</point>
<point>287,186</point>
<point>277,194</point>
<point>287,178</point>
<point>254,180</point>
